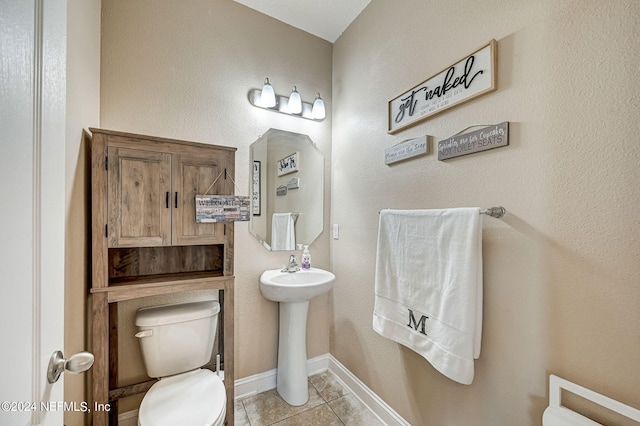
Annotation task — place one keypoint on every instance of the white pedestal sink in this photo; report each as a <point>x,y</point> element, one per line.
<point>293,290</point>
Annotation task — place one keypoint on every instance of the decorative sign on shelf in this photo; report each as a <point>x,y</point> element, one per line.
<point>288,164</point>
<point>486,138</point>
<point>467,79</point>
<point>222,208</point>
<point>406,149</point>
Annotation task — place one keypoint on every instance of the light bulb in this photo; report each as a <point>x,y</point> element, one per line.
<point>318,111</point>
<point>268,96</point>
<point>295,103</point>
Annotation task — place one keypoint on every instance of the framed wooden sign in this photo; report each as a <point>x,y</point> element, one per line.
<point>472,76</point>
<point>256,188</point>
<point>289,164</point>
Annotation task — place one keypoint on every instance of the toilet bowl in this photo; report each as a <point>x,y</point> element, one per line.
<point>176,340</point>
<point>193,398</point>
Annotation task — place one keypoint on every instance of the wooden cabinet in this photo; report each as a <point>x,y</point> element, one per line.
<point>146,241</point>
<point>194,175</point>
<point>151,196</point>
<point>138,184</point>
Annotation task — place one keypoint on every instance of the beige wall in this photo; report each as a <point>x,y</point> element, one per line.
<point>562,269</point>
<point>183,70</point>
<point>83,110</point>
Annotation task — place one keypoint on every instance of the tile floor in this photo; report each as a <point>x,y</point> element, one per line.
<point>330,403</point>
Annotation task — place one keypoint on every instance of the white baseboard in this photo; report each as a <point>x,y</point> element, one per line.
<point>266,381</point>
<point>369,398</point>
<point>261,382</point>
<point>255,384</point>
<point>258,383</point>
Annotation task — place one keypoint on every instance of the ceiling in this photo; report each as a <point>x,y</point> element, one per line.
<point>326,19</point>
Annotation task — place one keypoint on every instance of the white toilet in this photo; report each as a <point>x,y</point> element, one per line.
<point>176,340</point>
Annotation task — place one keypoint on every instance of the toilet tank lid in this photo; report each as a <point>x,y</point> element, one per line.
<point>171,314</point>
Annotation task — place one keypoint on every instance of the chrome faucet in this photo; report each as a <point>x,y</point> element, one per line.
<point>292,266</point>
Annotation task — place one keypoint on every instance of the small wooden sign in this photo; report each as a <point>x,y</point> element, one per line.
<point>281,190</point>
<point>484,139</point>
<point>222,208</point>
<point>406,149</point>
<point>472,76</point>
<point>293,183</point>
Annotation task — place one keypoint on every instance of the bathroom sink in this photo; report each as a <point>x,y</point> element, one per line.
<point>293,290</point>
<point>298,286</point>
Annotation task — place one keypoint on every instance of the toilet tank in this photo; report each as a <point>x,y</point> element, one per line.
<point>177,338</point>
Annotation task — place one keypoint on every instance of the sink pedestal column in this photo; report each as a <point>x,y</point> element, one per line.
<point>292,380</point>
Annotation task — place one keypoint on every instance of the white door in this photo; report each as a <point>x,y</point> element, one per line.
<point>32,218</point>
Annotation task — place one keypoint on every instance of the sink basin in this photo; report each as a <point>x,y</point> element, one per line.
<point>293,290</point>
<point>298,286</point>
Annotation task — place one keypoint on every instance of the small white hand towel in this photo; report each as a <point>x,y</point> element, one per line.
<point>428,286</point>
<point>283,232</point>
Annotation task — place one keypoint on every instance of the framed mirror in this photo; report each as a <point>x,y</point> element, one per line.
<point>287,189</point>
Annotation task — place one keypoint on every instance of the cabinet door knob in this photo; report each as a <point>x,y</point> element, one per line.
<point>166,199</point>
<point>176,199</point>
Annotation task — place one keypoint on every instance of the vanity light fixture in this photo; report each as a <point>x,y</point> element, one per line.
<point>317,110</point>
<point>267,96</point>
<point>292,105</point>
<point>295,102</point>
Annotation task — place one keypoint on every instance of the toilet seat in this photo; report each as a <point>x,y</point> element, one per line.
<point>194,398</point>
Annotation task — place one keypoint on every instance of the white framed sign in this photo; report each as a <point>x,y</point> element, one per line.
<point>256,188</point>
<point>288,164</point>
<point>472,76</point>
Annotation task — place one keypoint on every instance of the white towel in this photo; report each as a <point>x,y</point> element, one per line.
<point>428,286</point>
<point>283,232</point>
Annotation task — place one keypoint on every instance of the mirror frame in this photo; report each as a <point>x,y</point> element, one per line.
<point>287,173</point>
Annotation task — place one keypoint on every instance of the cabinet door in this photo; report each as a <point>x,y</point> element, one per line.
<point>193,175</point>
<point>139,188</point>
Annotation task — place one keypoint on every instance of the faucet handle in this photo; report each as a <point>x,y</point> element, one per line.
<point>293,259</point>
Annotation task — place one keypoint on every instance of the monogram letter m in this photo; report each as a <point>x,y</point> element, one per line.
<point>420,323</point>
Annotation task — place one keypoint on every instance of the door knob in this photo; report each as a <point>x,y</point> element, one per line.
<point>82,361</point>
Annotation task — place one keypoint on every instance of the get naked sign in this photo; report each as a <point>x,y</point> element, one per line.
<point>467,79</point>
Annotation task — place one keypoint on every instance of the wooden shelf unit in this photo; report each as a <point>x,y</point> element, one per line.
<point>146,242</point>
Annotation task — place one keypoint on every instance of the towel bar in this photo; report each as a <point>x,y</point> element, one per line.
<point>496,212</point>
<point>556,384</point>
